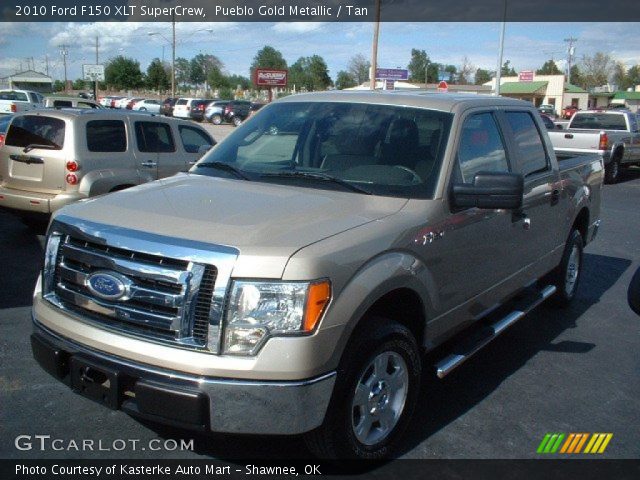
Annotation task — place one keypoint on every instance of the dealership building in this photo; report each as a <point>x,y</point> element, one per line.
<point>543,90</point>
<point>28,80</point>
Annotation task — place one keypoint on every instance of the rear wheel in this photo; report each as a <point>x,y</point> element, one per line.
<point>216,119</point>
<point>612,170</point>
<point>375,394</point>
<point>566,276</point>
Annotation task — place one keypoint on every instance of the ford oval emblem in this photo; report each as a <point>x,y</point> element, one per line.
<point>108,285</point>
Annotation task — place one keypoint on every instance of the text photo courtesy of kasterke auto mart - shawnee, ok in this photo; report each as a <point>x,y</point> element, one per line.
<point>355,238</point>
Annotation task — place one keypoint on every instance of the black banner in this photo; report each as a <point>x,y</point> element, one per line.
<point>118,469</point>
<point>320,11</point>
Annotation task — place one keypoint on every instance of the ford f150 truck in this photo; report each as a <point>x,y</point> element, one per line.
<point>613,134</point>
<point>14,101</point>
<point>294,281</point>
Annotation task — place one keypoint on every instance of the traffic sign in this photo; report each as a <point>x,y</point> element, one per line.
<point>93,73</point>
<point>443,87</point>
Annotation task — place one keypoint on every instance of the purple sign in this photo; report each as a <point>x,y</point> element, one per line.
<point>392,74</point>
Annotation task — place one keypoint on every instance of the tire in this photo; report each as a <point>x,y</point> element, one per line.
<point>612,170</point>
<point>142,109</point>
<point>566,276</point>
<point>354,426</point>
<point>216,119</point>
<point>237,121</point>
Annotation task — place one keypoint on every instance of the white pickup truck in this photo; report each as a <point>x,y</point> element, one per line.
<point>611,133</point>
<point>14,101</point>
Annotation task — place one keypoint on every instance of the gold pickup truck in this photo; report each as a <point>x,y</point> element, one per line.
<point>305,272</point>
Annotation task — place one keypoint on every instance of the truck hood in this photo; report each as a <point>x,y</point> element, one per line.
<point>262,220</point>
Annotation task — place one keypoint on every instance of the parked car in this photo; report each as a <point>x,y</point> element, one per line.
<point>14,101</point>
<point>198,108</point>
<point>105,101</point>
<point>167,106</point>
<point>70,102</point>
<point>612,134</point>
<point>549,110</point>
<point>215,111</point>
<point>294,280</point>
<point>148,105</point>
<point>237,111</point>
<point>254,107</point>
<point>568,111</point>
<point>115,101</point>
<point>548,122</point>
<point>132,102</point>
<point>55,157</point>
<point>182,107</point>
<point>5,120</point>
<point>86,95</point>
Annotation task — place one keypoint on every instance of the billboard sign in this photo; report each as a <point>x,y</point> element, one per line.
<point>525,76</point>
<point>392,74</point>
<point>266,77</point>
<point>93,73</point>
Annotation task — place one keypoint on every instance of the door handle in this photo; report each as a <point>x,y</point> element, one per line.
<point>149,164</point>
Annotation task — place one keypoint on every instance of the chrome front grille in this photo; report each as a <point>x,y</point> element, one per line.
<point>172,294</point>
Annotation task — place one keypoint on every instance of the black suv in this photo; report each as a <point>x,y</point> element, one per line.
<point>237,111</point>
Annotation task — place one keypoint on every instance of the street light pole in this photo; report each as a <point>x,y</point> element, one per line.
<point>374,47</point>
<point>173,57</point>
<point>499,69</point>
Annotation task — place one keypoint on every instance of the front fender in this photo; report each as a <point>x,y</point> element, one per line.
<point>383,274</point>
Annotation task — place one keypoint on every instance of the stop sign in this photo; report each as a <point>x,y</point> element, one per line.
<point>443,87</point>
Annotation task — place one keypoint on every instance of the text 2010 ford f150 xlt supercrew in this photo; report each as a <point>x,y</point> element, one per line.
<point>293,281</point>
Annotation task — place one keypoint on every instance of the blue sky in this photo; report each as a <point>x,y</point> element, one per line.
<point>527,45</point>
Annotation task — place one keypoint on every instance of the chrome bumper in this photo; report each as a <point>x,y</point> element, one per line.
<point>229,406</point>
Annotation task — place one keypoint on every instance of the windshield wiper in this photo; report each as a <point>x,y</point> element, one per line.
<point>224,166</point>
<point>31,146</point>
<point>318,176</point>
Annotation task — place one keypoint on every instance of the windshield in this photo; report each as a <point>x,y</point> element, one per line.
<point>379,149</point>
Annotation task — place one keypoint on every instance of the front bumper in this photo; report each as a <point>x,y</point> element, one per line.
<point>34,202</point>
<point>182,400</point>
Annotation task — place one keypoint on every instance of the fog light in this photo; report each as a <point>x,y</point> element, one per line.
<point>72,179</point>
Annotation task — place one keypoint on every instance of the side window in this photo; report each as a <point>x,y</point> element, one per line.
<point>62,104</point>
<point>481,147</point>
<point>193,139</point>
<point>106,136</point>
<point>154,137</point>
<point>533,158</point>
<point>34,98</point>
<point>86,105</point>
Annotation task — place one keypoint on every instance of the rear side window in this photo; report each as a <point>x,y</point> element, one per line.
<point>533,158</point>
<point>182,101</point>
<point>106,136</point>
<point>481,147</point>
<point>62,103</point>
<point>193,139</point>
<point>36,130</point>
<point>17,96</point>
<point>599,121</point>
<point>86,105</point>
<point>154,137</point>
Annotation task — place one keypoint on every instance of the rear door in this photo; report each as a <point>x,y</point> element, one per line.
<point>156,148</point>
<point>34,155</point>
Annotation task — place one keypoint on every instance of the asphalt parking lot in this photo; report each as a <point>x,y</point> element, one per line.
<point>574,370</point>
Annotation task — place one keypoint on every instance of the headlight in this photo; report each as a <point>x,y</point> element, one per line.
<point>258,310</point>
<point>49,268</point>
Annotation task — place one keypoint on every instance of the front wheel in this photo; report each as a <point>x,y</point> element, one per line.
<point>375,394</point>
<point>216,119</point>
<point>566,276</point>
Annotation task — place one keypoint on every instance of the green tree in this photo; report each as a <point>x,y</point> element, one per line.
<point>79,84</point>
<point>235,80</point>
<point>359,67</point>
<point>633,75</point>
<point>216,79</point>
<point>549,68</point>
<point>418,66</point>
<point>345,80</point>
<point>451,72</point>
<point>157,76</point>
<point>310,73</point>
<point>201,66</point>
<point>508,70</point>
<point>225,93</point>
<point>596,69</point>
<point>576,77</point>
<point>482,76</point>
<point>183,70</point>
<point>58,86</point>
<point>123,73</point>
<point>267,57</point>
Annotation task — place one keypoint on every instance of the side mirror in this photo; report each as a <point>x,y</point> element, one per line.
<point>490,190</point>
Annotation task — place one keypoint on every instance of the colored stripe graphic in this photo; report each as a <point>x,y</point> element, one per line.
<point>543,443</point>
<point>599,443</point>
<point>574,443</point>
<point>567,443</point>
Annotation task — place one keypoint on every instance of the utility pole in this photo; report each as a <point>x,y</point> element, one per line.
<point>374,47</point>
<point>46,64</point>
<point>499,69</point>
<point>570,52</point>
<point>95,83</point>
<point>64,52</point>
<point>173,56</point>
